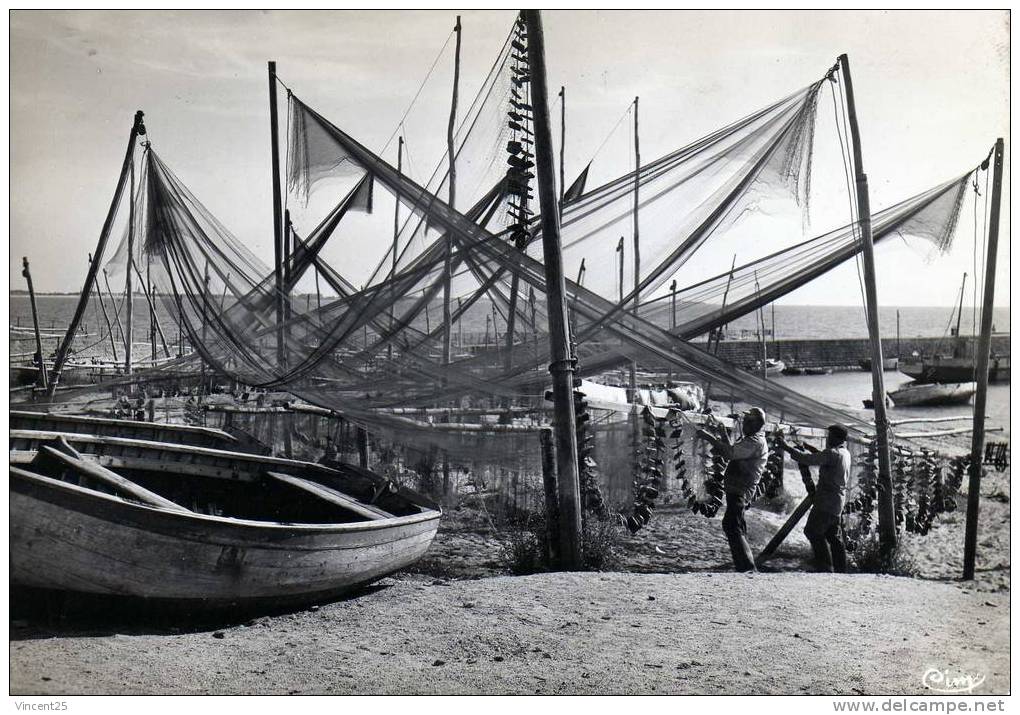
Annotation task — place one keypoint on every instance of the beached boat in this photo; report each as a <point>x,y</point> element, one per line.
<point>107,427</point>
<point>208,527</point>
<point>924,395</point>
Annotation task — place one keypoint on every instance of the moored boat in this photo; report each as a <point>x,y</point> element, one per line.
<point>888,364</point>
<point>945,369</point>
<point>208,527</point>
<point>924,395</point>
<point>773,366</point>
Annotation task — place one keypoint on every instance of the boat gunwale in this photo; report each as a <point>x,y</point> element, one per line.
<point>303,528</point>
<point>113,422</point>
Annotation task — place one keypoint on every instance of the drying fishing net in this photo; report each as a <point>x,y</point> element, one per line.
<point>380,351</point>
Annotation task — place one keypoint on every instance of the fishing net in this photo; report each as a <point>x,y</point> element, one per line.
<point>380,350</point>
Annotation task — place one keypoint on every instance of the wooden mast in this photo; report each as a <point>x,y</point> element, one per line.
<point>981,369</point>
<point>137,129</point>
<point>396,234</point>
<point>274,136</point>
<point>958,342</point>
<point>128,286</point>
<point>452,151</point>
<point>563,143</point>
<point>637,273</point>
<point>43,382</point>
<point>562,365</point>
<point>886,511</point>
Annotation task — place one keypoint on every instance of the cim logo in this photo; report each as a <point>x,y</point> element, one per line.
<point>950,682</point>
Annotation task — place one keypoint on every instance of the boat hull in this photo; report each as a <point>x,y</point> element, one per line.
<point>925,395</point>
<point>953,370</point>
<point>70,538</point>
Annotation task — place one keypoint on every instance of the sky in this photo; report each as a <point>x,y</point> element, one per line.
<point>932,95</point>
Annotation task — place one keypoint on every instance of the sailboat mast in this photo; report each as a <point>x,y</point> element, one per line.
<point>981,369</point>
<point>278,258</point>
<point>451,149</point>
<point>957,347</point>
<point>137,129</point>
<point>886,512</point>
<point>561,366</point>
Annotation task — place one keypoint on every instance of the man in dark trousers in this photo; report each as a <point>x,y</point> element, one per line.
<point>747,463</point>
<point>822,528</point>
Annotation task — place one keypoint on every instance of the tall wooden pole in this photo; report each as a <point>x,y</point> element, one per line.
<point>886,511</point>
<point>561,366</point>
<point>452,151</point>
<point>620,250</point>
<point>672,317</point>
<point>43,381</point>
<point>137,129</point>
<point>274,143</point>
<point>152,309</point>
<point>984,347</point>
<point>396,234</point>
<point>635,418</point>
<point>563,143</point>
<point>129,306</point>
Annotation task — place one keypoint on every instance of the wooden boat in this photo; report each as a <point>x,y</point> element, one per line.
<point>946,369</point>
<point>772,367</point>
<point>924,395</point>
<point>200,526</point>
<point>889,363</point>
<point>108,427</point>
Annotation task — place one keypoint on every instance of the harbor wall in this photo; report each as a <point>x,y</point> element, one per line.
<point>839,353</point>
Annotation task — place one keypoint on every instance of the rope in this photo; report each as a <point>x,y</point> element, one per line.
<point>843,154</point>
<point>417,94</point>
<point>612,131</point>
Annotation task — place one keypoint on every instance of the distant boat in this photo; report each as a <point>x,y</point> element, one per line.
<point>945,369</point>
<point>818,371</point>
<point>887,364</point>
<point>925,395</point>
<point>773,366</point>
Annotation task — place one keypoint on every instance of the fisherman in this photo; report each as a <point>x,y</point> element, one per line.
<point>822,528</point>
<point>747,463</point>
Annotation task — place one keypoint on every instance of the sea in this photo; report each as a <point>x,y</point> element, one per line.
<point>844,390</point>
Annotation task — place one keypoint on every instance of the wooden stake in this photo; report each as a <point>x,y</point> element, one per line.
<point>549,487</point>
<point>886,510</point>
<point>451,150</point>
<point>129,306</point>
<point>984,348</point>
<point>43,382</point>
<point>562,366</point>
<point>274,135</point>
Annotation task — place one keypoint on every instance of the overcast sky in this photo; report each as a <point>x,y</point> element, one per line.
<point>932,91</point>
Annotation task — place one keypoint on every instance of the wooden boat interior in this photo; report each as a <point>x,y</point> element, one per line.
<point>213,482</point>
<point>108,427</point>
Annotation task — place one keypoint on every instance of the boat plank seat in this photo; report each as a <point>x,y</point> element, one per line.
<point>108,477</point>
<point>331,495</point>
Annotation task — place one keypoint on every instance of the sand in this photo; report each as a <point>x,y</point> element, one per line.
<point>560,633</point>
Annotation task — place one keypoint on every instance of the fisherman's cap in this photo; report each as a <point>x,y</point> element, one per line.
<point>840,431</point>
<point>756,412</point>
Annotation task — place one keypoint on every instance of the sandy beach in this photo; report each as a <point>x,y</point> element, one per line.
<point>671,618</point>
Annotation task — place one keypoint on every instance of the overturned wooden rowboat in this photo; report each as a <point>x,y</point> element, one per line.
<point>200,526</point>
